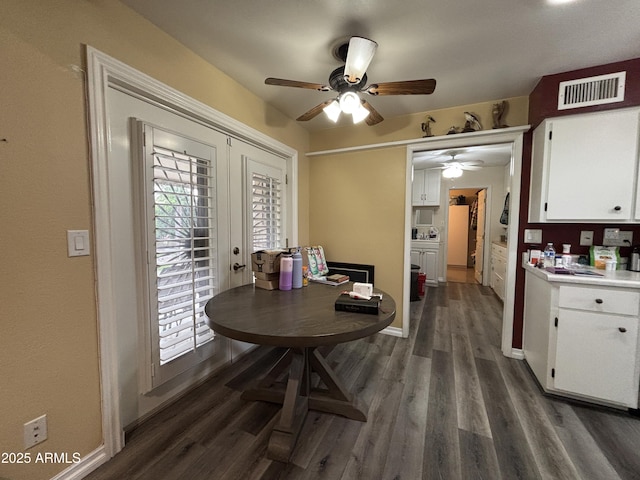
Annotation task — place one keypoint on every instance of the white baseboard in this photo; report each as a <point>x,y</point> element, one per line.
<point>517,353</point>
<point>85,466</point>
<point>394,331</point>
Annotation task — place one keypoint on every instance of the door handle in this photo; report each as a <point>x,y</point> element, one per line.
<point>237,266</point>
<point>622,329</point>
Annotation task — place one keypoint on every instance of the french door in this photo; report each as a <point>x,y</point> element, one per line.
<point>184,227</point>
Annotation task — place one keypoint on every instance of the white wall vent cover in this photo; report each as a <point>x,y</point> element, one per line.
<point>584,92</point>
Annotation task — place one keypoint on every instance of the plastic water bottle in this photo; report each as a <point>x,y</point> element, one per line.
<point>286,272</point>
<point>549,255</point>
<point>296,281</point>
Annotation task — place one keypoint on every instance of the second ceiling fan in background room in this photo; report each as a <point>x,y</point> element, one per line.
<point>453,168</point>
<point>350,80</point>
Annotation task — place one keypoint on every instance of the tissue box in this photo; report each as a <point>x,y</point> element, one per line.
<point>266,261</point>
<point>345,303</point>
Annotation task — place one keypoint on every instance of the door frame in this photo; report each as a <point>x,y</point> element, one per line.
<point>105,72</point>
<point>486,243</point>
<point>515,137</point>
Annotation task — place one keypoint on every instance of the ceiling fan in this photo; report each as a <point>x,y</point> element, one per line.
<point>453,168</point>
<point>350,80</point>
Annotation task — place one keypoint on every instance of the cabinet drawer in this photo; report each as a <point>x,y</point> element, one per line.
<point>499,265</point>
<point>594,299</point>
<point>498,250</point>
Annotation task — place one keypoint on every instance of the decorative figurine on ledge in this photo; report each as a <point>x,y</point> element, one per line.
<point>472,124</point>
<point>498,112</point>
<point>426,126</point>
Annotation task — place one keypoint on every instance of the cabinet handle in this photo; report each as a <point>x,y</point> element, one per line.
<point>599,300</point>
<point>622,329</point>
<point>617,208</point>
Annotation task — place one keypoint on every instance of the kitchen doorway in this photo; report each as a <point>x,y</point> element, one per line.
<point>511,137</point>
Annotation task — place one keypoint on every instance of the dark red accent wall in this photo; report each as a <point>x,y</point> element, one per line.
<point>543,102</point>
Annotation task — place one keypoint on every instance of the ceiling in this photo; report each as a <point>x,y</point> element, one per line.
<point>477,51</point>
<point>497,155</point>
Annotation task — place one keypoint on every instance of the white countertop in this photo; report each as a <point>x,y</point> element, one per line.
<point>425,242</point>
<point>614,278</point>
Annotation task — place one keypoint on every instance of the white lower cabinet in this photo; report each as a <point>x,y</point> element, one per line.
<point>595,356</point>
<point>582,341</point>
<point>426,256</point>
<point>498,269</point>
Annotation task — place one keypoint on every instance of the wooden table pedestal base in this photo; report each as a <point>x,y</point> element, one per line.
<point>297,397</point>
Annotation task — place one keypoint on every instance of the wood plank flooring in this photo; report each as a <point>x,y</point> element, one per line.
<point>443,404</point>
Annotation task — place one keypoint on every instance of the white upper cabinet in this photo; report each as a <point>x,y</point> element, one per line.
<point>584,168</point>
<point>426,188</point>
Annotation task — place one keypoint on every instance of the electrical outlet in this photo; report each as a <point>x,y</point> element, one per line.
<point>617,238</point>
<point>35,431</point>
<point>586,238</point>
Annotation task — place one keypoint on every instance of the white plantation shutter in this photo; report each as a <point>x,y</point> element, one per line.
<point>184,221</point>
<point>184,253</point>
<point>266,211</point>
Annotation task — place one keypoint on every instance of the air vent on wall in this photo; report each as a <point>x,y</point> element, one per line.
<point>584,92</point>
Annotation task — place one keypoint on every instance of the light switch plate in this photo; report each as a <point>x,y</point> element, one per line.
<point>78,243</point>
<point>586,238</point>
<point>532,235</point>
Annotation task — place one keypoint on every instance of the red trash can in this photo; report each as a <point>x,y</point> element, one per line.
<point>422,277</point>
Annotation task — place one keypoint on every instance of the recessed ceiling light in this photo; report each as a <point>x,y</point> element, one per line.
<point>560,2</point>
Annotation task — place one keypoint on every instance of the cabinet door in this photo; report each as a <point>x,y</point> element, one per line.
<point>415,257</point>
<point>592,161</point>
<point>596,356</point>
<point>417,187</point>
<point>426,188</point>
<point>431,266</point>
<point>432,187</point>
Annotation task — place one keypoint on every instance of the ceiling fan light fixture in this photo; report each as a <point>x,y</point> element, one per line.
<point>360,113</point>
<point>453,171</point>
<point>332,111</point>
<point>349,102</point>
<point>359,55</point>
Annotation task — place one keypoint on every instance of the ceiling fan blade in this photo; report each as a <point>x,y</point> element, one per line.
<point>313,112</point>
<point>374,117</point>
<point>359,55</point>
<point>294,83</point>
<point>408,87</point>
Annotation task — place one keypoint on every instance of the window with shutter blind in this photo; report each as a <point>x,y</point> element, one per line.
<point>182,229</point>
<point>266,197</point>
<point>184,250</point>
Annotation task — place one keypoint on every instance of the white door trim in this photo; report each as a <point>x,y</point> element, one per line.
<point>514,136</point>
<point>105,72</point>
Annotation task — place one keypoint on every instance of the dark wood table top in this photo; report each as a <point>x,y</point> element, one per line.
<point>303,317</point>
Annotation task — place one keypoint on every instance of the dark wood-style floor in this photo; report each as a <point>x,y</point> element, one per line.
<point>443,404</point>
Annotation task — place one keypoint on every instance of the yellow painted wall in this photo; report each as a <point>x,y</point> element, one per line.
<point>48,343</point>
<point>357,199</point>
<point>354,204</point>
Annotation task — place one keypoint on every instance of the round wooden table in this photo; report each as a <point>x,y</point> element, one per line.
<point>300,320</point>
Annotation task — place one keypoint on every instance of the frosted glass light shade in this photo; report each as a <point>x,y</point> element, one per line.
<point>452,172</point>
<point>332,111</point>
<point>349,102</point>
<point>359,55</point>
<point>360,114</point>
